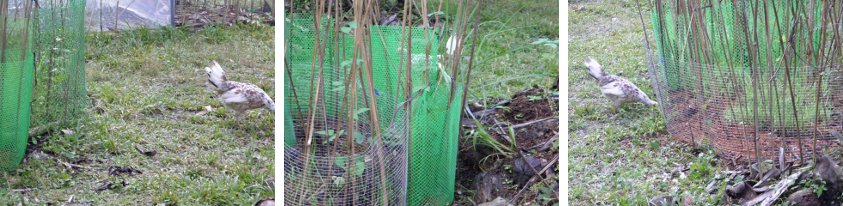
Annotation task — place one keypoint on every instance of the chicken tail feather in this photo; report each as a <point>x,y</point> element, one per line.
<point>269,104</point>
<point>216,76</point>
<point>594,68</point>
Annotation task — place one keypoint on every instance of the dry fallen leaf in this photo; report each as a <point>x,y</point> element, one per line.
<point>67,132</point>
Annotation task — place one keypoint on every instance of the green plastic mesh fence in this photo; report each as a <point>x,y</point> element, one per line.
<point>59,97</point>
<point>16,65</point>
<point>43,79</point>
<point>435,123</point>
<point>726,70</point>
<point>434,149</point>
<point>424,175</point>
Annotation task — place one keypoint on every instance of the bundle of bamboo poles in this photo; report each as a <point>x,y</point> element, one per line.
<point>765,67</point>
<point>340,100</point>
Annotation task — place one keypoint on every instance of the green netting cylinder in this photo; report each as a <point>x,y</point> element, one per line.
<point>16,65</point>
<point>431,159</point>
<point>361,168</point>
<point>42,76</point>
<point>433,153</point>
<point>15,94</point>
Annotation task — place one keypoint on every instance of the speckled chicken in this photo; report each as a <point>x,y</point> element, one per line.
<point>237,96</point>
<point>616,88</point>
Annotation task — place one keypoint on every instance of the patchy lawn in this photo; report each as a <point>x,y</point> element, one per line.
<point>507,61</point>
<point>517,49</point>
<point>148,137</point>
<point>628,159</point>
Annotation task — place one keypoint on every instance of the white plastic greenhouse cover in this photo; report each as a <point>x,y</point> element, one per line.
<point>127,14</point>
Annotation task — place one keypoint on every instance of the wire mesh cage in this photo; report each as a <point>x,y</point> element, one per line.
<point>341,160</point>
<point>59,93</point>
<point>751,78</point>
<point>419,145</point>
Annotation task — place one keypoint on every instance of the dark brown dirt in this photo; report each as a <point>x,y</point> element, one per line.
<point>529,105</point>
<point>689,123</point>
<point>533,115</point>
<point>537,134</point>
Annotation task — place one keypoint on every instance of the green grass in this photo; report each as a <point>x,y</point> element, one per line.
<point>149,90</point>
<point>626,160</point>
<point>507,61</point>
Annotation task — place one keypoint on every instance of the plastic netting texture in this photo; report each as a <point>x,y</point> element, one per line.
<point>727,77</point>
<point>16,65</point>
<point>43,83</point>
<point>344,162</point>
<point>60,96</point>
<point>421,174</point>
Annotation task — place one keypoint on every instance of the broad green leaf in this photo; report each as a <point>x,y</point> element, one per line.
<point>360,164</point>
<point>345,63</point>
<point>330,134</point>
<point>340,161</point>
<point>359,137</point>
<point>326,133</point>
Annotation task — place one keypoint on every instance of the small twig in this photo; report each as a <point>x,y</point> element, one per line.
<point>21,190</point>
<point>533,179</point>
<point>544,145</point>
<point>470,114</point>
<point>505,134</point>
<point>71,165</point>
<point>43,129</point>
<point>66,164</point>
<point>517,126</point>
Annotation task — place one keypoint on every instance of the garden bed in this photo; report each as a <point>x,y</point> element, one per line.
<point>690,122</point>
<point>484,174</point>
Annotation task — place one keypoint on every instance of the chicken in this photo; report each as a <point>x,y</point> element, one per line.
<point>451,45</point>
<point>617,89</point>
<point>450,48</point>
<point>237,96</point>
<point>266,202</point>
<point>419,59</point>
